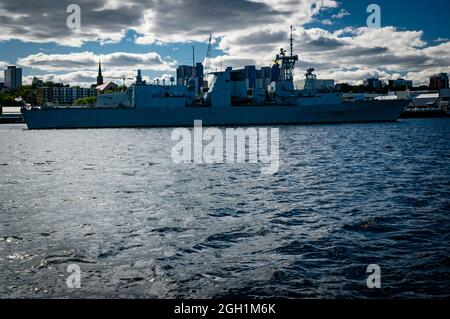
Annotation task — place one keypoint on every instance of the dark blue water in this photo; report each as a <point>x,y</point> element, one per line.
<point>112,202</point>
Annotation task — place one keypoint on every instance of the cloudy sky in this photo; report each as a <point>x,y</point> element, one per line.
<point>157,35</point>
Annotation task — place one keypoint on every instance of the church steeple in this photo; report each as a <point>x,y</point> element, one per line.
<point>99,76</point>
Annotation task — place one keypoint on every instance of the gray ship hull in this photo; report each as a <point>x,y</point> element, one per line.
<point>63,118</point>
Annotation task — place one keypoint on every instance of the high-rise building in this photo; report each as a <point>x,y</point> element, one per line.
<point>373,83</point>
<point>99,76</point>
<point>36,82</point>
<point>187,72</point>
<point>400,83</point>
<point>13,77</point>
<point>439,81</point>
<point>184,73</point>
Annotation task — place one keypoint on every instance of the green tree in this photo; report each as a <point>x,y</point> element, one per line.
<point>7,98</point>
<point>86,101</point>
<point>28,94</point>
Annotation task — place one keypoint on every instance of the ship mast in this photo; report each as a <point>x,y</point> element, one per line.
<point>291,39</point>
<point>287,61</point>
<point>208,54</point>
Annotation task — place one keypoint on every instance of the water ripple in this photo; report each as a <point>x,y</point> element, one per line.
<point>140,226</point>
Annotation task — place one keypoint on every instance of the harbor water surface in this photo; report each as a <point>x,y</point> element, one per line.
<point>139,226</point>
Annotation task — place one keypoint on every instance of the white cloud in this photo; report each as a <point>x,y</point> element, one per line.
<point>440,39</point>
<point>88,60</point>
<point>3,66</point>
<point>330,21</point>
<point>326,22</point>
<point>80,78</point>
<point>340,14</point>
<point>83,78</point>
<point>87,78</point>
<point>44,21</point>
<point>184,21</point>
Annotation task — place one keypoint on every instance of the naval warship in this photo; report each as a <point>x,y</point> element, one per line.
<point>235,97</point>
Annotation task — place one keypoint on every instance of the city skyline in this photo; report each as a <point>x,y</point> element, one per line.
<point>330,36</point>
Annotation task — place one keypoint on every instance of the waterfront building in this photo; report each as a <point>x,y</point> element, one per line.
<point>108,86</point>
<point>439,81</point>
<point>63,94</point>
<point>184,73</point>
<point>400,83</point>
<point>13,77</point>
<point>373,83</point>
